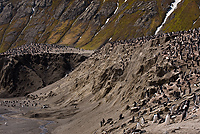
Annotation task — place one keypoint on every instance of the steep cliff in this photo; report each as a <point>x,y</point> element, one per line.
<point>89,24</point>
<point>23,74</point>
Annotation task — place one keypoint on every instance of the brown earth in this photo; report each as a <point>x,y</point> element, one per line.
<point>148,72</point>
<point>22,74</point>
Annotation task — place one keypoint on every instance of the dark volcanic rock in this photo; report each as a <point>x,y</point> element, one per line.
<point>23,10</point>
<point>1,7</point>
<point>76,9</point>
<point>91,11</point>
<point>60,9</point>
<point>23,74</point>
<point>6,15</point>
<point>43,3</point>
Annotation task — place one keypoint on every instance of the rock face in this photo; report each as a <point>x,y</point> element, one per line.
<point>88,24</point>
<point>23,74</point>
<point>6,14</point>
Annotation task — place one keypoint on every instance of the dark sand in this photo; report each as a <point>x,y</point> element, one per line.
<point>13,121</point>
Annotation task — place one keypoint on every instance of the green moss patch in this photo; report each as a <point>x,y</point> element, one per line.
<point>183,17</point>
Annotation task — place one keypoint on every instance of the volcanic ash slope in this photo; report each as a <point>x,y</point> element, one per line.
<point>139,77</point>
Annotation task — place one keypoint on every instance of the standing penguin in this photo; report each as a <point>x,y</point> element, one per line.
<point>167,119</point>
<point>158,115</point>
<point>184,114</point>
<point>172,109</point>
<point>155,118</point>
<point>138,126</point>
<point>132,120</point>
<point>101,123</point>
<point>194,98</point>
<point>197,100</point>
<point>121,117</point>
<point>134,104</point>
<point>142,121</point>
<point>188,105</point>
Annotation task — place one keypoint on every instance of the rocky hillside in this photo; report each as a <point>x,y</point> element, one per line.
<point>89,24</point>
<point>27,69</point>
<point>142,80</point>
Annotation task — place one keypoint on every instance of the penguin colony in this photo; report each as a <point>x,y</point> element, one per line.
<point>166,101</point>
<point>175,100</point>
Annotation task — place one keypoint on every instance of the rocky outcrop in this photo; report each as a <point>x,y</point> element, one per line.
<point>75,10</point>
<point>60,9</point>
<point>1,7</point>
<point>7,14</point>
<point>90,11</point>
<point>43,3</point>
<point>23,74</point>
<point>149,9</point>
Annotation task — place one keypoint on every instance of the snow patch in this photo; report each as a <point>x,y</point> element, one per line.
<point>173,7</point>
<point>66,74</point>
<point>12,19</point>
<point>88,6</point>
<point>102,26</point>
<point>33,11</point>
<point>107,20</point>
<point>116,8</point>
<point>100,30</point>
<point>195,21</point>
<point>198,18</point>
